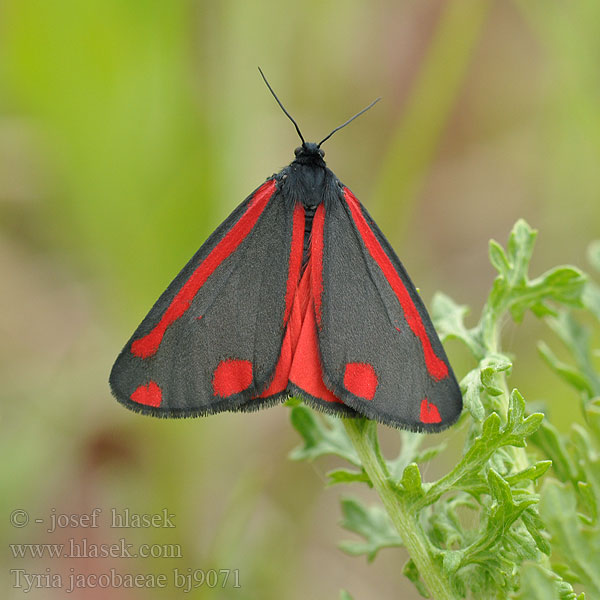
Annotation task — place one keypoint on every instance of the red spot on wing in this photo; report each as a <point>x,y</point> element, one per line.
<point>436,367</point>
<point>232,377</point>
<point>429,412</point>
<point>150,395</point>
<point>360,379</point>
<point>149,344</point>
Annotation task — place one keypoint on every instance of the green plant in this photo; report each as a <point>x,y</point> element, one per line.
<point>485,529</point>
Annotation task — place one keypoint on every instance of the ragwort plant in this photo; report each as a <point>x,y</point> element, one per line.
<point>486,529</point>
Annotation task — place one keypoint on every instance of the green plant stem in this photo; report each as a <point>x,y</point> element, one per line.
<point>402,517</point>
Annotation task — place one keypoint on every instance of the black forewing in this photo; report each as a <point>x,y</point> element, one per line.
<point>236,315</point>
<point>363,322</point>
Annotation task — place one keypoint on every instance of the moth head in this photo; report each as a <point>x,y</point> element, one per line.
<point>309,149</point>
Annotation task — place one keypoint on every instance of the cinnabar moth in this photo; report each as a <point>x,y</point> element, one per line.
<point>297,292</point>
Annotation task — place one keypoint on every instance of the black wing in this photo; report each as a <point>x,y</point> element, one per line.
<point>379,350</point>
<point>212,340</point>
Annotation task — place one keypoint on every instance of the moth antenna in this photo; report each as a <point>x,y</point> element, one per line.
<point>283,107</point>
<point>364,110</point>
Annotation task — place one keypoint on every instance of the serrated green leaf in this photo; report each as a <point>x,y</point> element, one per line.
<point>471,387</point>
<point>372,523</point>
<point>499,488</point>
<point>496,363</point>
<point>514,291</point>
<point>563,285</point>
<point>504,512</point>
<point>485,444</point>
<point>531,473</point>
<point>519,249</point>
<point>518,428</point>
<point>322,435</point>
<point>490,367</point>
<point>344,595</point>
<point>516,409</point>
<point>482,379</point>
<point>466,475</point>
<point>348,476</point>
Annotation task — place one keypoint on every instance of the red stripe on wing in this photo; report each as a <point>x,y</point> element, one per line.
<point>316,253</point>
<point>436,367</point>
<point>306,371</point>
<point>295,262</point>
<point>292,319</point>
<point>299,361</point>
<point>148,345</point>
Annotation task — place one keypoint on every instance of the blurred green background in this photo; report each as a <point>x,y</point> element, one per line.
<point>129,129</point>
